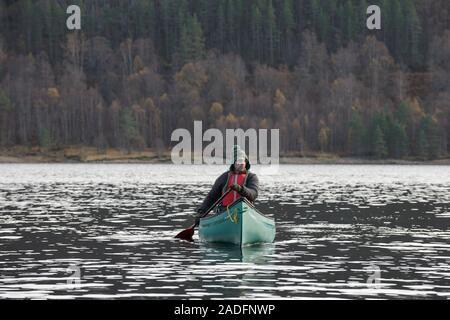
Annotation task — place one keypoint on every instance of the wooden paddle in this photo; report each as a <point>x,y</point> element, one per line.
<point>189,232</point>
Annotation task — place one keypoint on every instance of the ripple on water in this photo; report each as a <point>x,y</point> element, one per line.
<point>337,228</point>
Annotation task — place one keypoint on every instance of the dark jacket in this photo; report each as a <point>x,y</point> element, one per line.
<point>249,190</point>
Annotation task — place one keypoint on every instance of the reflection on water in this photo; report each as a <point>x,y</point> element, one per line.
<point>221,253</point>
<point>106,231</point>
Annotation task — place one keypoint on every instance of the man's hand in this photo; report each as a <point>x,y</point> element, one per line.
<point>197,216</point>
<point>236,187</point>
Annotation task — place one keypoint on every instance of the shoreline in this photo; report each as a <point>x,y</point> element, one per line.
<point>18,155</point>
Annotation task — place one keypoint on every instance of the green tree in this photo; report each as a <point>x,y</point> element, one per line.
<point>412,35</point>
<point>350,25</point>
<point>5,102</point>
<point>435,142</point>
<point>361,17</point>
<point>432,132</point>
<point>287,28</point>
<point>324,138</point>
<point>271,31</point>
<point>396,22</point>
<point>198,41</point>
<point>356,134</point>
<point>323,25</point>
<point>45,140</point>
<point>397,140</point>
<point>230,25</point>
<point>192,45</point>
<point>221,26</point>
<point>422,144</point>
<point>256,25</point>
<point>128,127</point>
<point>403,113</point>
<point>379,146</point>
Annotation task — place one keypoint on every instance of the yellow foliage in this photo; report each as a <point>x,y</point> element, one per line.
<point>264,123</point>
<point>149,104</point>
<point>197,113</point>
<point>280,99</point>
<point>231,120</point>
<point>216,110</point>
<point>115,106</point>
<point>324,137</point>
<point>137,110</point>
<point>296,125</point>
<point>416,109</point>
<point>53,93</point>
<point>138,65</point>
<point>220,122</point>
<point>191,76</point>
<point>164,98</point>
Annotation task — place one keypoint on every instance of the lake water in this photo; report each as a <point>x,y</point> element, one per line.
<point>106,231</point>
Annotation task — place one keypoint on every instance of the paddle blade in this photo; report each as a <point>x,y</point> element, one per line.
<point>186,234</point>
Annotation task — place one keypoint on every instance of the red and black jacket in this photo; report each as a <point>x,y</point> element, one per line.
<point>250,188</point>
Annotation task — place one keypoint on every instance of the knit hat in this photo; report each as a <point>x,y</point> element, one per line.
<point>238,153</point>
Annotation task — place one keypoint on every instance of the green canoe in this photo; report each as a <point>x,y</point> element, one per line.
<point>241,224</point>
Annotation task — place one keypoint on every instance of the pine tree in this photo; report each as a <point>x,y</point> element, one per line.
<point>128,126</point>
<point>314,14</point>
<point>185,41</point>
<point>403,113</point>
<point>45,140</point>
<point>397,140</point>
<point>349,13</point>
<point>256,32</point>
<point>139,18</point>
<point>412,35</point>
<point>287,27</point>
<point>230,26</point>
<point>422,144</point>
<point>221,29</point>
<point>434,141</point>
<point>431,133</point>
<point>27,19</point>
<point>192,45</point>
<point>396,24</point>
<point>323,26</point>
<point>361,18</point>
<point>340,32</point>
<point>197,39</point>
<point>379,146</point>
<point>403,143</point>
<point>356,135</point>
<point>202,9</point>
<point>270,31</point>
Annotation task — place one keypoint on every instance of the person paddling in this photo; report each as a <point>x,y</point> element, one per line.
<point>238,178</point>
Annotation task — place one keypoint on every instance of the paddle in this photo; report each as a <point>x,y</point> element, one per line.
<point>189,232</point>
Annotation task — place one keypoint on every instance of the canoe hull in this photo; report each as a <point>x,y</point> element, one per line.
<point>241,224</point>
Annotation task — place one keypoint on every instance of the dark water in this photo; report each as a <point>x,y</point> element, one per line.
<point>106,231</point>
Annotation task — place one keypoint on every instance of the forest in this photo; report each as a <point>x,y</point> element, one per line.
<point>139,69</point>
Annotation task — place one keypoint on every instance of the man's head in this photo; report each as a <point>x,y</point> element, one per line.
<point>239,159</point>
<point>239,164</point>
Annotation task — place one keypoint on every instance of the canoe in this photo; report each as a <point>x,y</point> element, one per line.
<point>241,224</point>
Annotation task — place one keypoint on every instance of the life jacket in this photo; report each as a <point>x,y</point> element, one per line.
<point>233,178</point>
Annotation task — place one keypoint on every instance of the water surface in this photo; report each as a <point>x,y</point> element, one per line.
<point>342,232</point>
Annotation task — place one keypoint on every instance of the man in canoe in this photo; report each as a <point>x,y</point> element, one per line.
<point>238,178</point>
